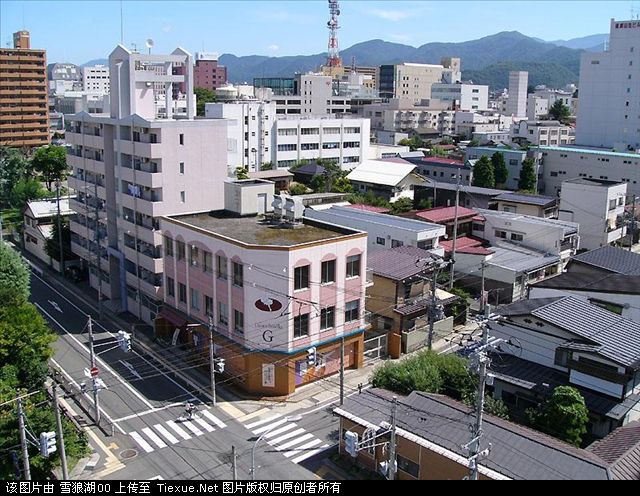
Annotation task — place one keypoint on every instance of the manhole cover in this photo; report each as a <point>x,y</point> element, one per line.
<point>128,453</point>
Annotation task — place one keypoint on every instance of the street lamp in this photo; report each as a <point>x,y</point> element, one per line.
<point>293,418</point>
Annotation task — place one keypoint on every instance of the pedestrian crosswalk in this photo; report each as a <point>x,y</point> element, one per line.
<point>294,442</point>
<point>172,432</point>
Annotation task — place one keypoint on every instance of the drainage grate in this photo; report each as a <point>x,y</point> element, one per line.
<point>128,453</point>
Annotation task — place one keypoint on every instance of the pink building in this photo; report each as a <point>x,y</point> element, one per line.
<point>272,290</point>
<point>207,73</point>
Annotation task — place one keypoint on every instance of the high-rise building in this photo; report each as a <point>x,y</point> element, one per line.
<point>95,79</point>
<point>409,82</point>
<point>517,101</point>
<point>146,158</point>
<point>24,108</point>
<point>609,109</point>
<point>207,73</point>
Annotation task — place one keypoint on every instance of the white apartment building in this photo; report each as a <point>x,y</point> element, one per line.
<point>313,96</point>
<point>96,79</point>
<point>517,101</point>
<point>562,163</point>
<point>598,206</point>
<point>135,164</point>
<point>542,133</point>
<point>552,96</point>
<point>462,96</point>
<point>397,115</point>
<point>409,82</point>
<point>609,112</point>
<point>537,107</point>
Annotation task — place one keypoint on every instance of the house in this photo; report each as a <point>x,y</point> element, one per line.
<point>604,261</point>
<point>385,179</point>
<point>621,450</point>
<point>400,299</point>
<point>534,205</point>
<point>280,177</point>
<point>543,133</point>
<point>444,170</point>
<point>39,217</point>
<point>598,206</point>
<point>446,216</point>
<point>565,340</point>
<point>432,430</point>
<point>384,231</point>
<point>443,194</point>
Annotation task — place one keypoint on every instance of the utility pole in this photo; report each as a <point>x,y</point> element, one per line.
<point>633,223</point>
<point>234,467</point>
<point>432,308</point>
<point>61,261</point>
<point>56,409</point>
<point>94,382</point>
<point>342,371</point>
<point>455,231</point>
<point>477,430</point>
<point>392,443</point>
<point>212,362</point>
<point>482,298</point>
<point>23,442</point>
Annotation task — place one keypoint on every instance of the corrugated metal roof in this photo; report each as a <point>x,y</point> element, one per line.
<point>588,151</point>
<point>49,208</point>
<point>612,259</point>
<point>541,201</point>
<point>399,263</point>
<point>445,214</point>
<point>380,172</point>
<point>520,259</point>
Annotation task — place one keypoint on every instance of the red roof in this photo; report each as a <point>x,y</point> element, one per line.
<point>466,244</point>
<point>445,214</point>
<point>443,160</point>
<point>370,208</point>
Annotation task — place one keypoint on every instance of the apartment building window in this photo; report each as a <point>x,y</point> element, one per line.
<point>195,299</point>
<point>223,314</point>
<point>352,311</point>
<point>221,267</point>
<point>183,196</point>
<point>309,146</point>
<point>381,241</point>
<point>238,321</point>
<point>351,144</point>
<point>238,279</point>
<point>182,293</point>
<point>301,326</point>
<point>396,243</point>
<point>309,130</point>
<point>612,203</point>
<point>330,146</point>
<point>181,167</point>
<point>287,132</point>
<point>208,306</point>
<point>501,234</point>
<point>327,318</point>
<point>328,272</point>
<point>207,264</point>
<point>168,246</point>
<point>288,147</point>
<point>194,258</point>
<point>171,287</point>
<point>301,277</point>
<point>180,250</point>
<point>353,266</point>
<point>181,139</point>
<point>517,237</point>
<point>332,130</point>
<point>352,130</point>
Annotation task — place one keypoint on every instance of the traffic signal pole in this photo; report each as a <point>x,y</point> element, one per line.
<point>92,358</point>
<point>23,442</point>
<point>211,362</point>
<point>56,408</point>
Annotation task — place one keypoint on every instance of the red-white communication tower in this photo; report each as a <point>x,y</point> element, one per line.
<point>333,56</point>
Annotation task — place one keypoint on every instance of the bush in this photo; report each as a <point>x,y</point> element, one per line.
<point>297,189</point>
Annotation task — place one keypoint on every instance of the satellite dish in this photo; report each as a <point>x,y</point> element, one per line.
<point>149,43</point>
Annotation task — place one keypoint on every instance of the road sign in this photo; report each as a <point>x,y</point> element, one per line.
<point>94,371</point>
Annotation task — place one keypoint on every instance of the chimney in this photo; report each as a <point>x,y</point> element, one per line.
<point>21,40</point>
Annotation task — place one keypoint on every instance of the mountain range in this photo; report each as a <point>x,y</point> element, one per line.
<point>486,60</point>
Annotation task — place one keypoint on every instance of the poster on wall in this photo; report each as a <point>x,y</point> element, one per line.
<point>268,375</point>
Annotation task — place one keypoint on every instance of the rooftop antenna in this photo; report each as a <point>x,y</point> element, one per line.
<point>135,47</point>
<point>333,55</point>
<point>121,25</point>
<point>149,44</point>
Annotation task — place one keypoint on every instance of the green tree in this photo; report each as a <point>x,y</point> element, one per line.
<point>318,183</point>
<point>52,245</point>
<point>14,277</point>
<point>474,142</point>
<point>241,173</point>
<point>413,143</point>
<point>203,96</point>
<point>342,185</point>
<point>495,407</point>
<point>559,111</point>
<point>14,167</point>
<point>564,415</point>
<point>51,163</point>
<point>266,166</point>
<point>484,174</point>
<point>446,141</point>
<point>425,204</point>
<point>528,177</point>
<point>401,205</point>
<point>26,190</point>
<point>297,189</point>
<point>368,199</point>
<point>437,151</point>
<point>500,169</point>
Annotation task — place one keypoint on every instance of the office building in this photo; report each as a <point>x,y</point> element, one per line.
<point>517,101</point>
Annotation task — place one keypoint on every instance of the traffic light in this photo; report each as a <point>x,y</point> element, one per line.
<point>351,443</point>
<point>219,365</point>
<point>311,357</point>
<point>47,443</point>
<point>124,341</point>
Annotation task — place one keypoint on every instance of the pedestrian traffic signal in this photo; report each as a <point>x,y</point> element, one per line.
<point>124,341</point>
<point>219,365</point>
<point>47,443</point>
<point>311,357</point>
<point>351,443</point>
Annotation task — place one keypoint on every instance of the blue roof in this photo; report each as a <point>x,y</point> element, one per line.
<point>588,151</point>
<point>493,149</point>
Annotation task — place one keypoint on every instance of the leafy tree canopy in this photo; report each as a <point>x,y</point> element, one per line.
<point>500,168</point>
<point>51,162</point>
<point>14,277</point>
<point>203,96</point>
<point>528,180</point>
<point>484,173</point>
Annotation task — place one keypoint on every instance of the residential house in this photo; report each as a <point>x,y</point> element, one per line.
<point>542,133</point>
<point>604,261</point>
<point>385,179</point>
<point>621,450</point>
<point>444,170</point>
<point>534,205</point>
<point>443,194</point>
<point>39,217</point>
<point>448,217</point>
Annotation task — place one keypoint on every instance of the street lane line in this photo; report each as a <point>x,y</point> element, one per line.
<point>167,435</point>
<point>147,412</point>
<point>260,422</point>
<point>309,454</point>
<point>99,360</point>
<point>297,440</point>
<point>274,442</point>
<point>297,451</point>
<point>178,430</point>
<point>280,430</point>
<point>143,444</point>
<point>270,426</point>
<point>214,419</point>
<point>154,437</point>
<point>192,428</point>
<point>206,426</point>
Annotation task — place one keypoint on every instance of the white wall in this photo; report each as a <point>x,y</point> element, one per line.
<point>595,384</point>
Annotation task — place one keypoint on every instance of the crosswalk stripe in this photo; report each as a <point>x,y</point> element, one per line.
<point>154,437</point>
<point>309,454</point>
<point>280,430</point>
<point>297,450</point>
<point>270,426</point>
<point>297,440</point>
<point>206,426</point>
<point>274,442</point>
<point>214,419</point>
<point>192,428</point>
<point>264,421</point>
<point>178,430</point>
<point>172,439</point>
<point>143,444</point>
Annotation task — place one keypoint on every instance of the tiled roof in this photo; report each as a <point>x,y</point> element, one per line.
<point>445,214</point>
<point>399,263</point>
<point>612,259</point>
<point>466,244</point>
<point>621,449</point>
<point>577,281</point>
<point>441,160</point>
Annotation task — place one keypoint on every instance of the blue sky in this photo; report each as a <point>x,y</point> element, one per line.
<point>81,30</point>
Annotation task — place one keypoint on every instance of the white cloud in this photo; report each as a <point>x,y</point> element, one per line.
<point>167,28</point>
<point>273,48</point>
<point>391,15</point>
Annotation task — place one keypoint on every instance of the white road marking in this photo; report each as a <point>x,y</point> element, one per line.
<point>271,426</point>
<point>147,412</point>
<point>281,430</point>
<point>167,435</point>
<point>297,440</point>
<point>55,306</point>
<point>143,444</point>
<point>206,426</point>
<point>273,442</point>
<point>131,369</point>
<point>154,437</point>
<point>192,428</point>
<point>214,419</point>
<point>297,450</point>
<point>309,454</point>
<point>260,422</point>
<point>179,430</point>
